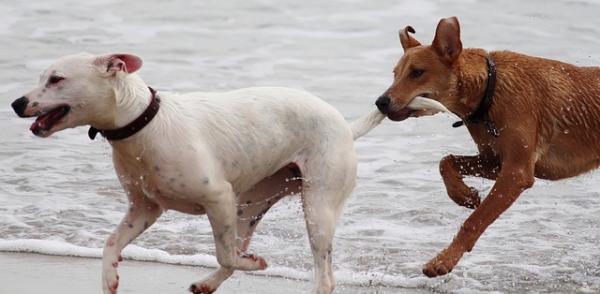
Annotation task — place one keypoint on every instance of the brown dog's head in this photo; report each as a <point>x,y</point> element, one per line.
<point>423,71</point>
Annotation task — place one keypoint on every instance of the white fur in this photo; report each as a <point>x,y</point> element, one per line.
<point>366,123</point>
<point>212,153</point>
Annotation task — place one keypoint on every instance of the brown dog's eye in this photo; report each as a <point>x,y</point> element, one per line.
<point>415,73</point>
<point>54,80</point>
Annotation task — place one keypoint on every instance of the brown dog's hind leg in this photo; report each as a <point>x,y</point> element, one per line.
<point>453,168</point>
<point>516,175</point>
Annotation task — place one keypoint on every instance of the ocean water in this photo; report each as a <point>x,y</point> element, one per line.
<point>60,195</point>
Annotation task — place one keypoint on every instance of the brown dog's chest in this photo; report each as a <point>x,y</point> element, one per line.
<point>486,143</point>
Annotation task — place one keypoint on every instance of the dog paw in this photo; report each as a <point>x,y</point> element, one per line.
<point>110,281</point>
<point>442,264</point>
<point>202,288</point>
<point>212,282</point>
<point>250,262</point>
<point>258,262</point>
<point>465,196</point>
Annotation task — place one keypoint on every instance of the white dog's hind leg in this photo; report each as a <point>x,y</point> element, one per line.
<point>221,212</point>
<point>141,214</point>
<point>323,198</point>
<point>252,205</point>
<point>321,219</point>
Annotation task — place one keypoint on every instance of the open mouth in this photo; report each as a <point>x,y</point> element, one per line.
<point>49,119</point>
<point>421,102</point>
<point>401,114</point>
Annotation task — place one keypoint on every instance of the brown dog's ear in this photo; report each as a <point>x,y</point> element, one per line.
<point>407,40</point>
<point>447,42</point>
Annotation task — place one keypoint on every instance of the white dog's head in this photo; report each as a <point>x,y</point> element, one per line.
<point>76,90</point>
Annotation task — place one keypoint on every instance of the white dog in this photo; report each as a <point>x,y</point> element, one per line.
<point>230,155</point>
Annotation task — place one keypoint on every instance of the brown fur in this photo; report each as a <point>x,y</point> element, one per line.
<point>547,112</point>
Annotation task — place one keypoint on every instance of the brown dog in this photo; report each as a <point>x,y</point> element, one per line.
<point>542,120</point>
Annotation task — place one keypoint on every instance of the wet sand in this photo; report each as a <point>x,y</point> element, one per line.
<point>25,273</point>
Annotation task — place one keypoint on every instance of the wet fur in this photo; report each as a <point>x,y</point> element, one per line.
<point>229,155</point>
<point>547,111</point>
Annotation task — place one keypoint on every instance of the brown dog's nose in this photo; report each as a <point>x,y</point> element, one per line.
<point>383,103</point>
<point>19,106</point>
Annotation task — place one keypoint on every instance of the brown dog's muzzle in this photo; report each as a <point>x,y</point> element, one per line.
<point>20,105</point>
<point>384,104</point>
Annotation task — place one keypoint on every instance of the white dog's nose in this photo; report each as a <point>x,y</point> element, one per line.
<point>20,105</point>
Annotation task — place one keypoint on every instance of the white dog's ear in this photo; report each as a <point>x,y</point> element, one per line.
<point>113,63</point>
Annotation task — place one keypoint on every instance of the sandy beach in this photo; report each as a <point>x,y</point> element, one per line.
<point>25,273</point>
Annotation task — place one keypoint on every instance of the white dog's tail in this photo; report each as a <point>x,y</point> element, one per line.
<point>366,123</point>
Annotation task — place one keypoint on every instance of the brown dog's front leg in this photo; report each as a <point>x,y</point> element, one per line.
<point>516,176</point>
<point>454,167</point>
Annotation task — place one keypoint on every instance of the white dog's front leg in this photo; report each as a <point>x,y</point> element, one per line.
<point>141,215</point>
<point>221,211</point>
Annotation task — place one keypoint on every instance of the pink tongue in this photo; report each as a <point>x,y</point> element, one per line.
<point>39,124</point>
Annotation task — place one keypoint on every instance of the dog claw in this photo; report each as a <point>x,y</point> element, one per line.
<point>203,289</point>
<point>438,271</point>
<point>113,288</point>
<point>429,273</point>
<point>442,264</point>
<point>442,270</point>
<point>262,263</point>
<point>434,270</point>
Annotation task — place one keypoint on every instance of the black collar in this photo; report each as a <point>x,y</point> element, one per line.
<point>480,114</point>
<point>133,127</point>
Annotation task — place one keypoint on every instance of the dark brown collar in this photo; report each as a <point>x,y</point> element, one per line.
<point>133,127</point>
<point>480,114</point>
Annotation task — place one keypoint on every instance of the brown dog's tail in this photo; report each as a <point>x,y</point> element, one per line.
<point>366,123</point>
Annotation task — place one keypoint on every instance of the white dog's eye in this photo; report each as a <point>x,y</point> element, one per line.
<point>54,80</point>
